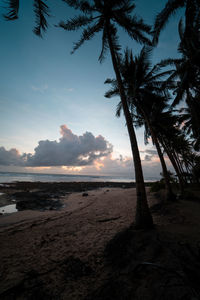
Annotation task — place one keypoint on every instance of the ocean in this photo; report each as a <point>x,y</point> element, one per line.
<point>6,177</point>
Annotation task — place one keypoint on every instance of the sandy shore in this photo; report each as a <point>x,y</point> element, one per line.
<point>60,254</point>
<point>107,201</point>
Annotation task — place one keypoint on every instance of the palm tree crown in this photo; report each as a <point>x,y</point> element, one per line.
<point>142,81</point>
<point>103,16</point>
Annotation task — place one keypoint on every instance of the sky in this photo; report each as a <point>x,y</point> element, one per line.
<point>54,117</point>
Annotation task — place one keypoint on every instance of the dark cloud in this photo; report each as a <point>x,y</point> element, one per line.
<point>71,150</point>
<point>11,157</point>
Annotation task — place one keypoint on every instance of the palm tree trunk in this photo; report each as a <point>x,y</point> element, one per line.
<point>178,172</point>
<point>143,218</point>
<point>169,194</point>
<point>176,168</point>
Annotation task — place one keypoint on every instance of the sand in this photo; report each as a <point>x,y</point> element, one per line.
<point>61,254</point>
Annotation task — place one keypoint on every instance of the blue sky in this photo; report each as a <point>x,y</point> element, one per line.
<point>43,87</point>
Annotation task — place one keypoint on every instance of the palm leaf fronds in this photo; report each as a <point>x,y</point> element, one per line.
<point>41,12</point>
<point>13,10</point>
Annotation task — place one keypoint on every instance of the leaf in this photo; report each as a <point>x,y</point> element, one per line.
<point>13,10</point>
<point>41,11</point>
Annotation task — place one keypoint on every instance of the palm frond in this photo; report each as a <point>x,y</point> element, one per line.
<point>105,46</point>
<point>125,8</point>
<point>41,12</point>
<point>73,3</point>
<point>143,60</point>
<point>170,62</point>
<point>13,10</point>
<point>76,22</point>
<point>84,6</point>
<point>163,17</point>
<point>181,29</point>
<point>114,91</point>
<point>135,28</point>
<point>110,81</point>
<point>152,77</point>
<point>118,109</point>
<point>87,35</point>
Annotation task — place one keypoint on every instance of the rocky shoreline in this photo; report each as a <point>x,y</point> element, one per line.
<point>47,196</point>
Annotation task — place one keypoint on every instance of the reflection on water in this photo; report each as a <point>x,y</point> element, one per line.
<point>8,209</point>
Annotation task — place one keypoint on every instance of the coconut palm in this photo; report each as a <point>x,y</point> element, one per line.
<point>41,12</point>
<point>177,146</point>
<point>104,16</point>
<point>146,99</point>
<point>169,137</point>
<point>185,78</point>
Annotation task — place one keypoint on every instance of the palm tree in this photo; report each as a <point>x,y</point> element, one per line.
<point>105,16</point>
<point>192,11</point>
<point>185,78</point>
<point>169,138</point>
<point>41,12</point>
<point>188,124</point>
<point>146,98</point>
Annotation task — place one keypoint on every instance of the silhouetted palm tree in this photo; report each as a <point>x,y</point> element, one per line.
<point>168,134</point>
<point>41,12</point>
<point>146,99</point>
<point>185,79</point>
<point>104,16</point>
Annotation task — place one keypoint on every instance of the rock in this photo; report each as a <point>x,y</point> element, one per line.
<point>36,201</point>
<point>84,194</point>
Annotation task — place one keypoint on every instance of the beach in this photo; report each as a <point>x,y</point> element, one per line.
<point>67,253</point>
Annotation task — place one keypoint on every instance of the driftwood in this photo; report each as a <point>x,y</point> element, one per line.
<point>108,219</point>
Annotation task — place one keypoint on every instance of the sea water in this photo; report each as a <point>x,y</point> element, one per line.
<point>6,177</point>
<point>8,209</point>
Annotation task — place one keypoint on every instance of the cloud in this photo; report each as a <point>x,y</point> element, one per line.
<point>70,150</point>
<point>117,166</point>
<point>40,89</point>
<point>84,154</point>
<point>11,157</point>
<point>70,90</point>
<point>150,154</point>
